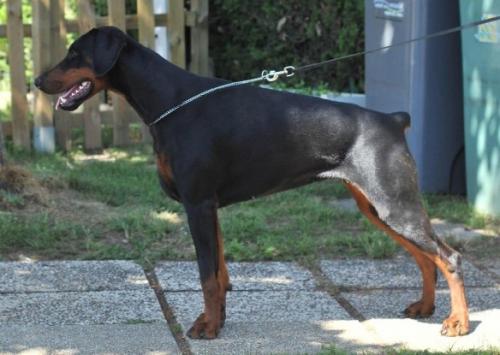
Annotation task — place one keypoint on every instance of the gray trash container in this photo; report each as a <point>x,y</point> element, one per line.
<point>424,79</point>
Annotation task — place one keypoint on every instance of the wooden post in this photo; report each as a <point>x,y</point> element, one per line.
<point>176,34</point>
<point>58,49</point>
<point>20,124</point>
<point>146,23</point>
<point>146,18</point>
<point>91,114</point>
<point>200,63</point>
<point>116,13</point>
<point>2,147</point>
<point>43,131</point>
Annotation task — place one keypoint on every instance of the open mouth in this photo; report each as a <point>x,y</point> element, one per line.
<point>74,96</point>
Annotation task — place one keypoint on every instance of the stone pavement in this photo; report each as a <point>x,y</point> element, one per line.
<point>113,307</point>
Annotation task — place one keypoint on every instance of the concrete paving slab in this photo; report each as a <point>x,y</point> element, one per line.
<point>390,303</point>
<point>183,276</point>
<point>383,309</point>
<point>59,308</point>
<point>50,276</point>
<point>398,272</point>
<point>288,338</point>
<point>414,335</point>
<point>493,266</point>
<point>274,322</point>
<point>133,339</point>
<point>263,305</point>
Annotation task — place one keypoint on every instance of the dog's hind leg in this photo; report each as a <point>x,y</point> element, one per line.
<point>387,193</point>
<point>425,306</point>
<point>417,237</point>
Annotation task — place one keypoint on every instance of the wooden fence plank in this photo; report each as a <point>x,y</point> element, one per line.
<point>19,102</point>
<point>91,115</point>
<point>146,23</point>
<point>44,140</point>
<point>2,147</point>
<point>176,32</point>
<point>132,22</point>
<point>116,11</point>
<point>58,49</point>
<point>146,18</point>
<point>49,29</point>
<point>75,121</point>
<point>200,61</point>
<point>57,30</point>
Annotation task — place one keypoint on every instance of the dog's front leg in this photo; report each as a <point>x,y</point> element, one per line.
<point>203,223</point>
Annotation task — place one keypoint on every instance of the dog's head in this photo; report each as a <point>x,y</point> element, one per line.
<point>83,72</point>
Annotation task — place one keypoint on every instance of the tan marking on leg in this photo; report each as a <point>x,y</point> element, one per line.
<point>457,323</point>
<point>208,324</point>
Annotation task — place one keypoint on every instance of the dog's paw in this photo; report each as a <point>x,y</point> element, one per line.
<point>419,310</point>
<point>203,329</point>
<point>454,326</point>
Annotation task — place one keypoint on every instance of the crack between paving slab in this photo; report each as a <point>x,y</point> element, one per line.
<point>324,284</point>
<point>174,326</point>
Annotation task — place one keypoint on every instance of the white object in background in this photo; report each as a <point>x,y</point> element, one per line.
<point>44,139</point>
<point>161,35</point>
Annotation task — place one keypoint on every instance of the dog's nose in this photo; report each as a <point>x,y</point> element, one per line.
<point>38,82</point>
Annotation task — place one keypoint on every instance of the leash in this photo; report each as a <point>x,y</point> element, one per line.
<point>289,71</point>
<point>423,38</point>
<point>270,76</point>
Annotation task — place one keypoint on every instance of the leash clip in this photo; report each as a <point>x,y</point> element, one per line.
<point>273,75</point>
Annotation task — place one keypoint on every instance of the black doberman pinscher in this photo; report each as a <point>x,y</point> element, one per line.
<point>247,142</point>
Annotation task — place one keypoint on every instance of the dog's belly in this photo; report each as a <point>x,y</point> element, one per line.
<point>254,186</point>
<point>276,165</point>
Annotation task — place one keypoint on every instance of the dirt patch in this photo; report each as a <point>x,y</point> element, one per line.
<point>18,186</point>
<point>23,194</point>
<point>69,205</point>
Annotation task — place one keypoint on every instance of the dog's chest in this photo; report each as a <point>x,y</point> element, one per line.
<point>166,176</point>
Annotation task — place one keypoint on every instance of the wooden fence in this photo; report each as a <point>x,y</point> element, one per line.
<point>49,30</point>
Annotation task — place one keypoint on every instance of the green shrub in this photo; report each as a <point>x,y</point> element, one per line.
<point>249,36</point>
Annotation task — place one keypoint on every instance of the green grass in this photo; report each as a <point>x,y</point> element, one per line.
<point>456,209</point>
<point>41,232</point>
<point>135,220</point>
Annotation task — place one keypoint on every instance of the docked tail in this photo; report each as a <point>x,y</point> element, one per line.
<point>402,119</point>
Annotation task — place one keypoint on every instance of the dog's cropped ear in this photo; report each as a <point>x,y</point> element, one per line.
<point>108,44</point>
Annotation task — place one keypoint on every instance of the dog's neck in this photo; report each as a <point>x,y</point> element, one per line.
<point>151,84</point>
